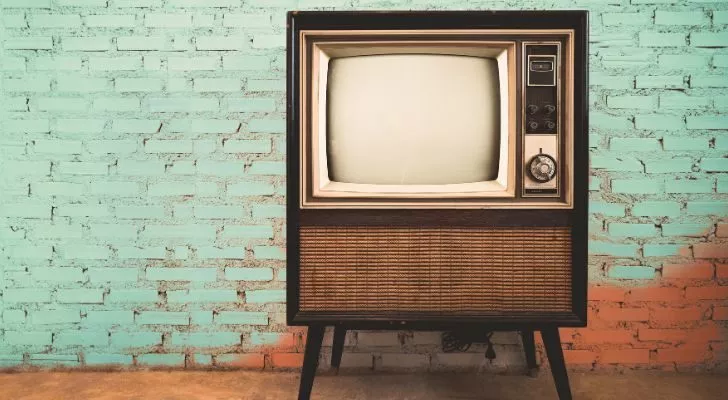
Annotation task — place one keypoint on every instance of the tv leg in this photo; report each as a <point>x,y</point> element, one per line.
<point>529,347</point>
<point>338,346</point>
<point>310,360</point>
<point>552,342</point>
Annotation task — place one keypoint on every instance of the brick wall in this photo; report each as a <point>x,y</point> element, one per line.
<point>142,171</point>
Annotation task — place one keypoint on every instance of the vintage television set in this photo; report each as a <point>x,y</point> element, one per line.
<point>437,175</point>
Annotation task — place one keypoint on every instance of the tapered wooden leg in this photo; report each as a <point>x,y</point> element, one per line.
<point>310,360</point>
<point>337,348</point>
<point>556,359</point>
<point>529,347</point>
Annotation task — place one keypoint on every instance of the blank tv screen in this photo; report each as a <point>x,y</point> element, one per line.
<point>413,119</point>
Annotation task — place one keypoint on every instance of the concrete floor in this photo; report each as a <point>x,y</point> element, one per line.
<point>229,385</point>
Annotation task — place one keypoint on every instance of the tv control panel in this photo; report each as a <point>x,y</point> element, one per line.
<point>541,119</point>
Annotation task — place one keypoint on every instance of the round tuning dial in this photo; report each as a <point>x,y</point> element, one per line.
<point>542,168</point>
<point>550,108</point>
<point>532,108</point>
<point>533,125</point>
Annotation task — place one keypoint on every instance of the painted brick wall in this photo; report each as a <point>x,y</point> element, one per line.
<point>142,169</point>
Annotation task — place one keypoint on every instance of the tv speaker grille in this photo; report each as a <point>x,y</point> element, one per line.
<point>439,270</point>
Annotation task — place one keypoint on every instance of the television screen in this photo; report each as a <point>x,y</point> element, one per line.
<point>413,119</point>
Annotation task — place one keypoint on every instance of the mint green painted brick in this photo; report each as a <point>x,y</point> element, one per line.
<point>230,42</point>
<point>54,274</point>
<point>269,253</point>
<point>211,252</point>
<point>107,359</point>
<point>682,61</point>
<point>681,164</point>
<point>182,104</point>
<point>720,60</point>
<point>201,317</point>
<point>221,168</point>
<point>689,186</point>
<point>111,21</point>
<point>659,81</point>
<point>678,143</point>
<point>140,168</point>
<point>682,102</point>
<point>268,168</point>
<point>616,163</point>
<point>28,295</point>
<point>217,85</point>
<point>241,318</point>
<point>28,43</point>
<point>245,63</point>
<point>265,296</point>
<point>250,188</point>
<point>135,339</point>
<point>29,252</point>
<point>82,3</point>
<point>26,125</point>
<point>14,317</point>
<point>88,296</point>
<point>717,208</point>
<point>246,20</point>
<point>202,296</point>
<point>680,18</point>
<point>108,318</point>
<point>632,102</point>
<point>662,39</point>
<point>268,211</point>
<point>707,81</point>
<point>266,85</point>
<point>219,212</point>
<point>139,212</point>
<point>656,209</point>
<point>186,231</point>
<point>627,18</point>
<point>632,229</point>
<point>676,229</point>
<point>118,104</point>
<point>267,125</point>
<point>707,122</point>
<point>80,125</point>
<point>29,84</point>
<point>76,84</point>
<point>27,168</point>
<point>634,144</point>
<point>637,186</point>
<point>709,39</point>
<point>53,146</point>
<point>612,249</point>
<point>125,63</point>
<point>720,17</point>
<point>631,272</point>
<point>266,338</point>
<point>81,337</point>
<point>714,164</point>
<point>136,125</point>
<point>59,189</point>
<point>28,338</point>
<point>168,146</point>
<point>132,296</point>
<point>249,274</point>
<point>26,3</point>
<point>181,274</point>
<point>203,63</point>
<point>163,318</point>
<point>82,168</point>
<point>167,20</point>
<point>170,360</point>
<point>205,339</point>
<point>52,317</point>
<point>202,359</point>
<point>247,231</point>
<point>138,85</point>
<point>204,125</point>
<point>141,43</point>
<point>664,250</point>
<point>88,252</point>
<point>87,43</point>
<point>182,189</point>
<point>251,104</point>
<point>57,63</point>
<point>25,210</point>
<point>247,146</point>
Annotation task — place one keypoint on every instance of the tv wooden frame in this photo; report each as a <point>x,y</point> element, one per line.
<point>532,214</point>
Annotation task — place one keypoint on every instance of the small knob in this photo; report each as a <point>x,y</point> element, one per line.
<point>532,109</point>
<point>550,125</point>
<point>550,108</point>
<point>533,125</point>
<point>542,168</point>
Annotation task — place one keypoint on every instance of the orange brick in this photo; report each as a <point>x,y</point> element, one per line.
<point>720,351</point>
<point>625,356</point>
<point>286,360</point>
<point>655,294</point>
<point>677,314</point>
<point>707,293</point>
<point>624,314</point>
<point>720,313</point>
<point>700,270</point>
<point>606,293</point>
<point>592,336</point>
<point>707,333</point>
<point>579,357</point>
<point>662,335</point>
<point>247,360</point>
<point>683,354</point>
<point>721,270</point>
<point>710,250</point>
<point>567,334</point>
<point>722,230</point>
